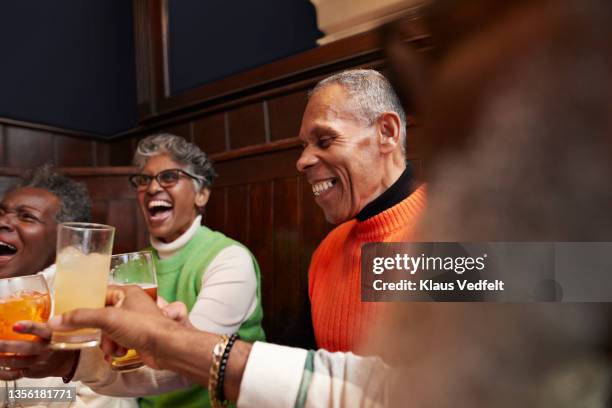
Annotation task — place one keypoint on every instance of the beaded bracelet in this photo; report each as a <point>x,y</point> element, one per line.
<point>213,374</point>
<point>223,366</point>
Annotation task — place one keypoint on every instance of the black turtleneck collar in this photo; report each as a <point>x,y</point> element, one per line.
<point>398,191</point>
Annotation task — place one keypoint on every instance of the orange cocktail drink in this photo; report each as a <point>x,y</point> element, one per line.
<point>22,298</point>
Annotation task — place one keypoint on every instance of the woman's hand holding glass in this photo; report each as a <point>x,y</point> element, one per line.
<point>24,344</point>
<point>25,306</point>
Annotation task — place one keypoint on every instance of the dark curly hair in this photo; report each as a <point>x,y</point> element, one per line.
<point>75,204</point>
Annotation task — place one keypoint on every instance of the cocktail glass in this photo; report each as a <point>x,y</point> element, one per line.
<point>21,298</point>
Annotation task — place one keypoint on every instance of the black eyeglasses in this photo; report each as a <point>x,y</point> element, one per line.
<point>166,178</point>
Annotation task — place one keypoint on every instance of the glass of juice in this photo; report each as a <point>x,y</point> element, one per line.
<point>135,268</point>
<point>83,263</point>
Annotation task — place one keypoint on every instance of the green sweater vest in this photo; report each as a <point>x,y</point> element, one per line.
<point>179,279</point>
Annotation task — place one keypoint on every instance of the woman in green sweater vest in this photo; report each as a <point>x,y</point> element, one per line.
<point>216,277</point>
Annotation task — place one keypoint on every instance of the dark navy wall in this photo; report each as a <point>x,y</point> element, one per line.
<point>68,63</point>
<point>211,39</point>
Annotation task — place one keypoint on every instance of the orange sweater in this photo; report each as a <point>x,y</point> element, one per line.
<point>339,317</point>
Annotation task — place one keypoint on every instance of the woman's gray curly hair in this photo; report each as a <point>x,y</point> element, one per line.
<point>181,151</point>
<point>75,204</point>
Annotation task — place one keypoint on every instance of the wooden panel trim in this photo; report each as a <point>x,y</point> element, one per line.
<point>3,144</point>
<point>263,148</point>
<point>79,171</point>
<point>164,51</point>
<point>99,171</point>
<point>10,171</point>
<point>51,129</point>
<point>148,26</point>
<point>285,144</point>
<point>142,56</point>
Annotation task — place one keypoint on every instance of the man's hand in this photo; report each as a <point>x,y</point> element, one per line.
<point>35,359</point>
<point>134,321</point>
<point>163,337</point>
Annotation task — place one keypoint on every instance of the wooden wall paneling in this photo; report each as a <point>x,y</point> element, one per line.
<point>26,148</point>
<point>180,129</point>
<point>42,128</point>
<point>149,25</point>
<point>121,152</point>
<point>114,203</point>
<point>142,52</point>
<point>261,234</point>
<point>286,242</point>
<point>107,187</point>
<point>2,146</point>
<point>31,145</point>
<point>102,153</point>
<point>247,126</point>
<point>71,152</point>
<point>215,211</point>
<point>118,213</point>
<point>314,226</point>
<point>285,114</point>
<point>142,236</point>
<point>121,215</point>
<point>209,133</point>
<point>99,211</point>
<point>257,168</point>
<point>237,217</point>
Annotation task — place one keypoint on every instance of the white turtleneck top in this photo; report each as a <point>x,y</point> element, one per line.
<point>228,292</point>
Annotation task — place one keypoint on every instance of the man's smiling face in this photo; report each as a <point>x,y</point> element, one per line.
<point>28,229</point>
<point>341,156</point>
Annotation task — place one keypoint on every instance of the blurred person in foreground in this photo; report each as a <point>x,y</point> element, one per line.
<point>518,134</point>
<point>501,97</point>
<point>29,215</point>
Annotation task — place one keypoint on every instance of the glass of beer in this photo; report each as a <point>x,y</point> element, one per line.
<point>135,268</point>
<point>83,263</point>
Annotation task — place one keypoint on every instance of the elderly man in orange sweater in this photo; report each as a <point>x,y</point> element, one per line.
<point>354,135</point>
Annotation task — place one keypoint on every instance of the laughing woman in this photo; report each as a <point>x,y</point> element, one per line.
<point>215,276</point>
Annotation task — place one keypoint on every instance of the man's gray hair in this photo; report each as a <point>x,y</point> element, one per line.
<point>371,94</point>
<point>181,151</point>
<point>75,204</point>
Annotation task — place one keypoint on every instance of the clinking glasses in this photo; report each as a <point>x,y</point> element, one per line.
<point>165,179</point>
